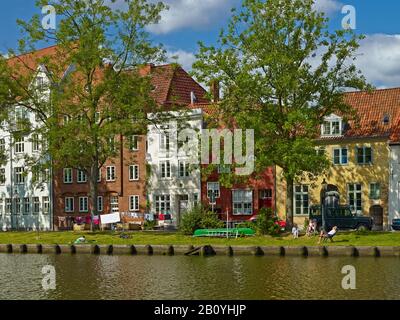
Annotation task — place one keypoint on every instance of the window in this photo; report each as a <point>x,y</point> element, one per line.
<point>35,143</point>
<point>364,155</point>
<point>100,204</point>
<point>165,169</point>
<point>69,204</point>
<point>99,176</point>
<point>340,156</point>
<point>164,142</point>
<point>183,169</point>
<point>355,197</point>
<point>375,191</point>
<point>46,175</point>
<point>2,145</point>
<point>163,204</point>
<point>321,151</point>
<point>8,206</point>
<point>46,205</point>
<point>111,173</point>
<point>213,191</point>
<point>19,145</point>
<point>20,118</point>
<point>224,168</point>
<point>332,126</point>
<point>301,200</point>
<point>66,119</point>
<point>83,204</point>
<point>134,173</point>
<point>111,144</point>
<point>114,204</point>
<point>266,194</point>
<point>17,205</point>
<point>68,175</point>
<point>134,143</point>
<point>36,205</point>
<point>82,177</point>
<point>1,205</point>
<point>195,198</point>
<point>134,203</point>
<point>242,202</point>
<point>27,206</point>
<point>2,176</point>
<point>19,175</point>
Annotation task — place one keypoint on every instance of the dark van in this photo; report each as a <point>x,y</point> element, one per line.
<point>342,217</point>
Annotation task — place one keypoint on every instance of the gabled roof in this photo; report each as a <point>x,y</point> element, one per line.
<point>172,84</point>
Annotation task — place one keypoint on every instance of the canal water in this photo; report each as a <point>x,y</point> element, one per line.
<point>177,278</point>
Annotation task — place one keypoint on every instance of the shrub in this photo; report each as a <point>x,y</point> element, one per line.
<point>199,218</point>
<point>266,223</point>
<point>149,225</point>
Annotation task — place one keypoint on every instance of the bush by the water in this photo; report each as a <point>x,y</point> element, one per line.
<point>199,218</point>
<point>266,223</point>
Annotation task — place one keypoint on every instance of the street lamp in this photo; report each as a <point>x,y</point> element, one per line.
<point>323,206</point>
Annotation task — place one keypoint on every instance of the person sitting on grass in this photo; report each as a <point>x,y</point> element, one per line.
<point>327,236</point>
<point>295,232</point>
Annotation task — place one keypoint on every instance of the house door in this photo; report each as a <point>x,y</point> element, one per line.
<point>183,207</point>
<point>376,212</point>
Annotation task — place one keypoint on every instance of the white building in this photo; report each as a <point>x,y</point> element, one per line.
<point>174,180</point>
<point>25,196</point>
<point>394,183</point>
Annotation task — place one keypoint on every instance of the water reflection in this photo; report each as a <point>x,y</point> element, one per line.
<point>159,277</point>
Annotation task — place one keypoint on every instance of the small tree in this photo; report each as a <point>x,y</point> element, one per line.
<point>282,72</point>
<point>96,93</point>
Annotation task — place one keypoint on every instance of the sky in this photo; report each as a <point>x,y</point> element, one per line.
<point>190,21</point>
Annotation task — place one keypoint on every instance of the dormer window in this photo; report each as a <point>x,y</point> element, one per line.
<point>386,119</point>
<point>332,126</point>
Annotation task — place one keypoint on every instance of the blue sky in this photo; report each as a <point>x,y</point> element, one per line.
<point>189,21</point>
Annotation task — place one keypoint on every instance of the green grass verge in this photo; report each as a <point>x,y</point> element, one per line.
<point>344,239</point>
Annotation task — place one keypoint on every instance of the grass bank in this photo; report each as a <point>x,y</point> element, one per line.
<point>140,238</point>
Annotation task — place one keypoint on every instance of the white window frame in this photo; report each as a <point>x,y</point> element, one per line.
<point>364,162</point>
<point>27,205</point>
<point>356,193</point>
<point>302,193</point>
<point>83,204</point>
<point>19,145</point>
<point>81,176</point>
<point>3,178</point>
<point>35,143</point>
<point>264,196</point>
<point>35,205</point>
<point>46,204</point>
<point>69,204</point>
<point>183,167</point>
<point>213,187</point>
<point>111,174</point>
<point>18,206</point>
<point>165,170</point>
<point>242,202</point>
<point>162,204</point>
<point>134,203</point>
<point>330,123</point>
<point>341,156</point>
<point>134,143</point>
<point>68,173</point>
<point>134,174</point>
<point>114,203</point>
<point>19,175</point>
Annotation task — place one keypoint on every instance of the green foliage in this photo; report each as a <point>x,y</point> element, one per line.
<point>149,225</point>
<point>282,71</point>
<point>199,218</point>
<point>266,223</point>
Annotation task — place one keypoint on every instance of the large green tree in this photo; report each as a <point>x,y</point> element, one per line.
<point>282,71</point>
<point>97,92</point>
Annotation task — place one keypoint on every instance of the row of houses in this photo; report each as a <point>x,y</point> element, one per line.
<point>153,177</point>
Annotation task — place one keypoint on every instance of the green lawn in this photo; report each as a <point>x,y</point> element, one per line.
<point>343,239</point>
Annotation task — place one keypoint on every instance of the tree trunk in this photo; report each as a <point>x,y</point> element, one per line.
<point>289,203</point>
<point>93,177</point>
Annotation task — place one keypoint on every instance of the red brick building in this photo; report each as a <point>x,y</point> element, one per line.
<point>122,187</point>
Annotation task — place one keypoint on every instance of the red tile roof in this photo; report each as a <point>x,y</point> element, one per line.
<point>172,84</point>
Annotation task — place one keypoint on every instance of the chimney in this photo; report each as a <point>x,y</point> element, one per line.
<point>146,69</point>
<point>214,90</point>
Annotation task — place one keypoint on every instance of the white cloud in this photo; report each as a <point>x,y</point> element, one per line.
<point>184,58</point>
<point>379,59</point>
<point>196,14</point>
<point>328,6</point>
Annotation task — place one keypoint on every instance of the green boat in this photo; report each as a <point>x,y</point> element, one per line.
<point>225,233</point>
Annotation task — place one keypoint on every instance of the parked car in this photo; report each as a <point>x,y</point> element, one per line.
<point>396,224</point>
<point>342,217</point>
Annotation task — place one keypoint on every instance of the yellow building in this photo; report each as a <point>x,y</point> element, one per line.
<point>360,155</point>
